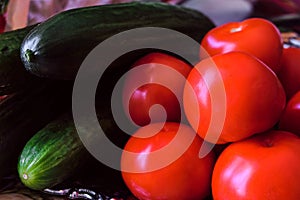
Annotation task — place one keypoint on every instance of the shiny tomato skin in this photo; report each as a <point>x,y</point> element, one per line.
<point>187,177</point>
<point>145,97</point>
<point>289,120</point>
<point>255,36</point>
<point>254,97</point>
<point>290,71</point>
<point>154,91</point>
<point>265,166</point>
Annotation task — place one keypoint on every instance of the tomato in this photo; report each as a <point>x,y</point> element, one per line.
<point>265,166</point>
<point>290,71</point>
<point>289,120</point>
<point>155,81</point>
<point>232,96</point>
<point>183,176</point>
<point>255,36</point>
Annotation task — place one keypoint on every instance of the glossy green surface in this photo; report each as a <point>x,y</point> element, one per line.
<point>57,47</point>
<point>24,113</point>
<point>12,72</point>
<point>51,155</point>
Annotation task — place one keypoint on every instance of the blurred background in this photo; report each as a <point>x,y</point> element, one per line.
<point>20,13</point>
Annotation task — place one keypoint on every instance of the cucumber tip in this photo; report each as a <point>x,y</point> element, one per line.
<point>25,176</point>
<point>29,55</point>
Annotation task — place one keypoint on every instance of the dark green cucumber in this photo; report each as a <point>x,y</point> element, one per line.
<point>25,112</point>
<point>13,75</point>
<point>57,47</point>
<point>55,158</point>
<point>52,155</point>
<point>45,163</point>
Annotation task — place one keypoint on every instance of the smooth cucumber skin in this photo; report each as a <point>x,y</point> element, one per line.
<point>57,47</point>
<point>13,75</point>
<point>51,155</point>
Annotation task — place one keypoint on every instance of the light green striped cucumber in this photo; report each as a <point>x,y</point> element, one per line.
<point>52,155</point>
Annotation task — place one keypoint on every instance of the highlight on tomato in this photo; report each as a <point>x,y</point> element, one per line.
<point>289,120</point>
<point>289,73</point>
<point>186,176</point>
<point>265,166</point>
<point>256,36</point>
<point>159,81</point>
<point>232,96</point>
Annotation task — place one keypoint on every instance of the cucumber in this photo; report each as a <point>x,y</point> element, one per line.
<point>25,112</point>
<point>37,173</point>
<point>52,155</point>
<point>46,159</point>
<point>13,75</point>
<point>57,47</point>
<point>55,155</point>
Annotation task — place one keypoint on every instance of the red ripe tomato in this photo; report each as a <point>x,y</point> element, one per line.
<point>265,166</point>
<point>182,177</point>
<point>256,36</point>
<point>289,120</point>
<point>289,73</point>
<point>160,85</point>
<point>232,96</point>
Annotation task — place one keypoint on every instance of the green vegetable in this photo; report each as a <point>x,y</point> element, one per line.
<point>13,75</point>
<point>25,112</point>
<point>57,47</point>
<point>56,154</point>
<point>51,155</point>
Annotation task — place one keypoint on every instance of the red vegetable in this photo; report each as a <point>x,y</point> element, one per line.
<point>233,94</point>
<point>161,83</point>
<point>266,166</point>
<point>256,36</point>
<point>289,120</point>
<point>188,177</point>
<point>289,73</point>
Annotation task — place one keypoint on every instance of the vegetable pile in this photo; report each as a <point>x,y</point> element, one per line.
<point>223,127</point>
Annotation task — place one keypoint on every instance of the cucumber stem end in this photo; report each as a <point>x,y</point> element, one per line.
<point>29,55</point>
<point>25,176</point>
